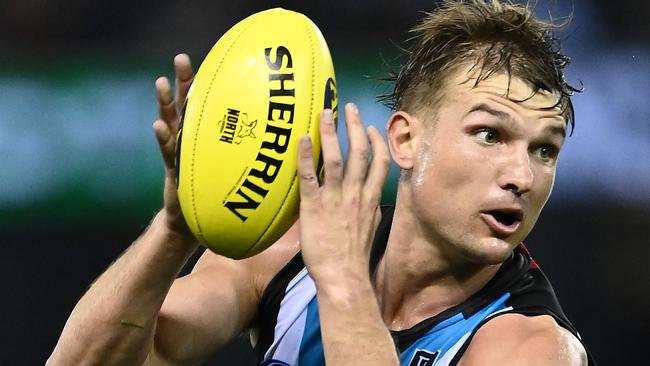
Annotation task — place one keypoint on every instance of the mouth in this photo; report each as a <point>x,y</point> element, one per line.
<point>502,223</point>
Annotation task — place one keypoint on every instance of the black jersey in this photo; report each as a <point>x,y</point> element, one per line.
<point>290,326</point>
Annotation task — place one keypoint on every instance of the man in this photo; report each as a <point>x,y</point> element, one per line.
<point>481,112</point>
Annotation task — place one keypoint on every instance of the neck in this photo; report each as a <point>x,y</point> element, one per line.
<point>420,275</point>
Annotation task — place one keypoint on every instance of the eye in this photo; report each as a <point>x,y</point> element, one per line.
<point>547,152</point>
<point>487,135</point>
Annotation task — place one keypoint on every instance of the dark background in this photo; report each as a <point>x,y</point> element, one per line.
<point>81,176</point>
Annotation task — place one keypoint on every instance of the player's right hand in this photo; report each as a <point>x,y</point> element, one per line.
<point>166,129</point>
<point>338,218</point>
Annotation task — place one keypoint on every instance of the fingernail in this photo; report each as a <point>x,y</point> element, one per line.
<point>327,115</point>
<point>353,107</point>
<point>305,140</point>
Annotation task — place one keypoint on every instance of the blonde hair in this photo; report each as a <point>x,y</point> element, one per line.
<point>490,35</point>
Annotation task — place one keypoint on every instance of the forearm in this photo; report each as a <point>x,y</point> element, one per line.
<point>115,321</point>
<point>352,328</point>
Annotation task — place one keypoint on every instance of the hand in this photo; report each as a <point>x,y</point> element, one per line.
<point>166,129</point>
<point>338,219</point>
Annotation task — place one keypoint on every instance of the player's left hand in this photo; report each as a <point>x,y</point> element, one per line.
<point>338,219</point>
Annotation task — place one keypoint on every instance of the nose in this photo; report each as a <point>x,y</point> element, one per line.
<point>517,174</point>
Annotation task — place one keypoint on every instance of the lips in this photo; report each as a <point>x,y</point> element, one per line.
<point>503,222</point>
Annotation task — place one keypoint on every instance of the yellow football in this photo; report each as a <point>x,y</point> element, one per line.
<point>260,88</point>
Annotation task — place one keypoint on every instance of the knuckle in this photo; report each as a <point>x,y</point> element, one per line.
<point>353,200</point>
<point>381,158</point>
<point>330,200</point>
<point>307,177</point>
<point>371,200</point>
<point>364,154</point>
<point>360,152</point>
<point>335,163</point>
<point>384,160</point>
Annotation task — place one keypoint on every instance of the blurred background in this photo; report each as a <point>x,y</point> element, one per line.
<point>81,175</point>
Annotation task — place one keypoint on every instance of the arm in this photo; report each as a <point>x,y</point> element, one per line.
<point>136,312</point>
<point>337,225</point>
<point>515,339</point>
<point>216,302</point>
<point>120,319</point>
<point>114,322</point>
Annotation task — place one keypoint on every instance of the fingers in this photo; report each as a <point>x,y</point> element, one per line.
<point>357,165</point>
<point>166,106</point>
<point>333,161</point>
<point>376,218</point>
<point>361,176</point>
<point>308,180</point>
<point>166,142</point>
<point>184,77</point>
<point>379,165</point>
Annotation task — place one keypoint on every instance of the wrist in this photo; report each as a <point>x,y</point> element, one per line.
<point>172,236</point>
<point>337,269</point>
<point>344,284</point>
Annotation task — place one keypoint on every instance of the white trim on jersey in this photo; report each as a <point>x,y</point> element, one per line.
<point>290,326</point>
<point>451,352</point>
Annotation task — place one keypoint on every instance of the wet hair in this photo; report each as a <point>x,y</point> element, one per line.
<point>492,37</point>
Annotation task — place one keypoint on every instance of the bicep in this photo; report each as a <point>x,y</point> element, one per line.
<point>211,306</point>
<point>205,310</point>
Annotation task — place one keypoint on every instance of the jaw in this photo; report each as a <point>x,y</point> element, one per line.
<point>489,251</point>
<point>440,248</point>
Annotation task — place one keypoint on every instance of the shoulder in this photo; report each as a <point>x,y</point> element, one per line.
<point>515,339</point>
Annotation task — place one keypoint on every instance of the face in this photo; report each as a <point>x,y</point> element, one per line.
<point>485,165</point>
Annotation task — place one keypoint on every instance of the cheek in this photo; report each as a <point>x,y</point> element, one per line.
<point>544,186</point>
<point>455,166</point>
<point>539,195</point>
<point>448,173</point>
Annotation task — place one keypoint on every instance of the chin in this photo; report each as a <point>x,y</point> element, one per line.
<point>489,251</point>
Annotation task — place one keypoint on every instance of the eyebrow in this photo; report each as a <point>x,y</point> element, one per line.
<point>496,113</point>
<point>555,130</point>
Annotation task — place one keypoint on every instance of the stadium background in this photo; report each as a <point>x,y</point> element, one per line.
<point>81,174</point>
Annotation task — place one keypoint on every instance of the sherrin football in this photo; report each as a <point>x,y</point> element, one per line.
<point>260,88</point>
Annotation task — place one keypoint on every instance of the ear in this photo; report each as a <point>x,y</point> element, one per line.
<point>402,131</point>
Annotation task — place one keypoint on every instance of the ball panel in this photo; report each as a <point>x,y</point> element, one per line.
<point>192,118</point>
<point>254,96</point>
<point>320,65</point>
<point>266,165</point>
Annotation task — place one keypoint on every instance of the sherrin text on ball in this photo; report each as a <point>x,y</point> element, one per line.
<point>260,88</point>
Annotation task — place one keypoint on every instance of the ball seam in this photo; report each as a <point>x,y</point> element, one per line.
<point>307,23</point>
<point>198,126</point>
